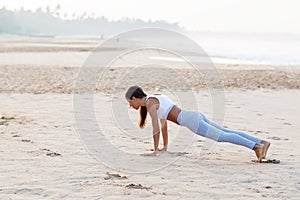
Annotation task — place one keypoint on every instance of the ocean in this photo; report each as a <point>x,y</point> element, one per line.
<point>256,48</point>
<point>277,49</point>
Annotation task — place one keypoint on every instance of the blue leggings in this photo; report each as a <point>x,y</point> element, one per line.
<point>199,124</point>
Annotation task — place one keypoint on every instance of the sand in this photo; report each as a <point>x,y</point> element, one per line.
<point>43,155</point>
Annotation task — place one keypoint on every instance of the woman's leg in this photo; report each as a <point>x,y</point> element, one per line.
<point>219,135</point>
<point>196,123</point>
<point>226,130</point>
<point>266,144</point>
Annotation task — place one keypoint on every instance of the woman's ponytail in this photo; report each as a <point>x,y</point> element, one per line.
<point>143,116</point>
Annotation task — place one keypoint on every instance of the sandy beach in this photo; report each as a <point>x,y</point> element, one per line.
<point>44,157</point>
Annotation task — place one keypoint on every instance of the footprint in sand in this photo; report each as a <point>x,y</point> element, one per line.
<point>53,154</point>
<point>114,176</point>
<point>50,152</point>
<point>286,123</point>
<point>4,123</point>
<point>137,186</point>
<point>277,138</point>
<point>25,140</point>
<point>274,138</point>
<point>281,119</point>
<point>7,118</point>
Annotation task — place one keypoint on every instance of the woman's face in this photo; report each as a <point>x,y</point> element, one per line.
<point>134,103</point>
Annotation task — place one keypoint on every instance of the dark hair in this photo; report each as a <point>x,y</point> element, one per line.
<point>137,92</point>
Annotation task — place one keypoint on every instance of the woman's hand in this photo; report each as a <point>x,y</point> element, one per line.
<point>160,149</point>
<point>155,153</point>
<point>163,149</point>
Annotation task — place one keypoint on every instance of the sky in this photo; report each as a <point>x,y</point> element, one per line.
<point>194,15</point>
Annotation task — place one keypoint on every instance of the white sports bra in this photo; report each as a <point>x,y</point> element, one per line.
<point>165,105</point>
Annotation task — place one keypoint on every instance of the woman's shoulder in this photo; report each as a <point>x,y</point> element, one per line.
<point>152,100</point>
<point>155,96</point>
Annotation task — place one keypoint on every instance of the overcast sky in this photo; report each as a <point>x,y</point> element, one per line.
<point>201,15</point>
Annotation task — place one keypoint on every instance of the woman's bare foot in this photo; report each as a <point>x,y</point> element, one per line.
<point>259,149</point>
<point>266,147</point>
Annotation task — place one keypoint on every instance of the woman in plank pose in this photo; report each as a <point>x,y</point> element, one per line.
<point>161,107</point>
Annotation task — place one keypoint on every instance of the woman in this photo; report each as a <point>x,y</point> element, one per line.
<point>160,107</point>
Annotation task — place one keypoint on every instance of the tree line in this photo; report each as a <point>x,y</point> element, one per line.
<point>47,22</point>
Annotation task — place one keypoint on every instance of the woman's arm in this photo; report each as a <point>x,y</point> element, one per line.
<point>151,106</point>
<point>164,130</point>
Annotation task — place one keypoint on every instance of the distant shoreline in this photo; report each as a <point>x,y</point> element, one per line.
<point>51,65</point>
<point>277,49</point>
